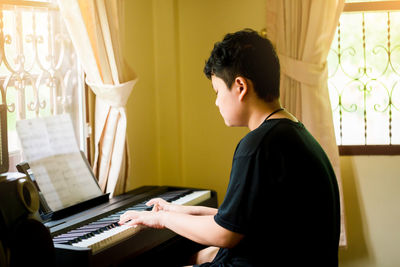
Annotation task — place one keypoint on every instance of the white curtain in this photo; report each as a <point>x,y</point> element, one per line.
<point>95,27</point>
<point>302,32</point>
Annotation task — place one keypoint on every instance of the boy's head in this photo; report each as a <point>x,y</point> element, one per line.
<point>245,53</point>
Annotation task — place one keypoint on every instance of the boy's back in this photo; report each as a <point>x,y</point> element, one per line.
<point>283,197</point>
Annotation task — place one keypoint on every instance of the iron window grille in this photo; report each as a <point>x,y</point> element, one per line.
<point>364,79</point>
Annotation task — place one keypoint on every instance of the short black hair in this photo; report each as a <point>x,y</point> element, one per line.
<point>246,53</point>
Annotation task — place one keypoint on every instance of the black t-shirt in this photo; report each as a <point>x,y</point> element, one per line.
<point>283,197</point>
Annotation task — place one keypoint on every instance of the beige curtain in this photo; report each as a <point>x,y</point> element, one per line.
<point>96,31</point>
<point>302,32</point>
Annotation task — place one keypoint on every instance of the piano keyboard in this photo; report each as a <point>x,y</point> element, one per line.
<point>102,233</point>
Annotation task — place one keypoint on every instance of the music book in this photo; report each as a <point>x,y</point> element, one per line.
<point>49,146</point>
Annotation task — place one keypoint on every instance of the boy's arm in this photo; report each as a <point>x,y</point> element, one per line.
<point>161,205</point>
<point>195,210</point>
<point>201,229</point>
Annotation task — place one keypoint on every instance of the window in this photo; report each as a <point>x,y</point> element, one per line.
<point>39,71</point>
<point>364,78</point>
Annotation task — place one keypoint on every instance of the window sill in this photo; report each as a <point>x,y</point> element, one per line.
<point>370,150</point>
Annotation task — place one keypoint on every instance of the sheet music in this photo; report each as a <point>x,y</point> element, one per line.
<point>49,146</point>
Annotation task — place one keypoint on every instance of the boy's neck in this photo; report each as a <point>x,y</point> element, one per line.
<point>261,111</point>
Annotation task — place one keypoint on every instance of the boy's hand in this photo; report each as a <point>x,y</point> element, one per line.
<point>148,218</point>
<point>160,204</point>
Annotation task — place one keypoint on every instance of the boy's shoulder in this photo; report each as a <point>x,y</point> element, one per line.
<point>251,141</point>
<point>268,129</point>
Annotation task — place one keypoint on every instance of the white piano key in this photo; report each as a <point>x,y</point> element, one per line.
<point>193,198</point>
<point>108,237</point>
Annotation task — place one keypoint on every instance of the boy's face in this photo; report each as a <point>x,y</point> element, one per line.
<point>227,101</point>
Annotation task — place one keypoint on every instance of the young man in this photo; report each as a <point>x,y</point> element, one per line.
<point>282,203</point>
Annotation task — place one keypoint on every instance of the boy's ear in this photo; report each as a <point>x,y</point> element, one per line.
<point>241,87</point>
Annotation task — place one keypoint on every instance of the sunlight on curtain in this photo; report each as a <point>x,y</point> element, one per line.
<point>96,31</point>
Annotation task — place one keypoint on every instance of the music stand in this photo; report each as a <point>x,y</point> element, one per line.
<point>3,139</point>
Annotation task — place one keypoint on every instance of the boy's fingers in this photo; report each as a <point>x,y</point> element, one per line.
<point>153,201</point>
<point>133,222</point>
<point>127,216</point>
<point>123,220</point>
<point>156,207</point>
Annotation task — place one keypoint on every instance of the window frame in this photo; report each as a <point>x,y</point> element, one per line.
<point>350,150</point>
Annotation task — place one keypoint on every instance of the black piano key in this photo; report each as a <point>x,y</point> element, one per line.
<point>68,236</point>
<point>110,218</point>
<point>99,224</point>
<point>58,242</point>
<point>94,229</point>
<point>63,239</point>
<point>84,235</point>
<point>138,208</point>
<point>66,240</point>
<point>77,231</point>
<point>69,239</point>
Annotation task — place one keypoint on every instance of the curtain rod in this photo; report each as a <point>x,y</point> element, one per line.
<point>372,6</point>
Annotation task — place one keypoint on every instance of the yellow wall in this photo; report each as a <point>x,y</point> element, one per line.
<point>176,135</point>
<point>141,106</point>
<point>371,187</point>
<point>175,132</point>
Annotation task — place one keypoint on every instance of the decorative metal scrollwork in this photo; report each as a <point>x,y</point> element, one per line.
<point>364,78</point>
<point>38,65</point>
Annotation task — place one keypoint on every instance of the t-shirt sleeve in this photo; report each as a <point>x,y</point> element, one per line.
<point>237,208</point>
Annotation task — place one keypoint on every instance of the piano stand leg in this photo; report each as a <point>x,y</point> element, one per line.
<point>72,256</point>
